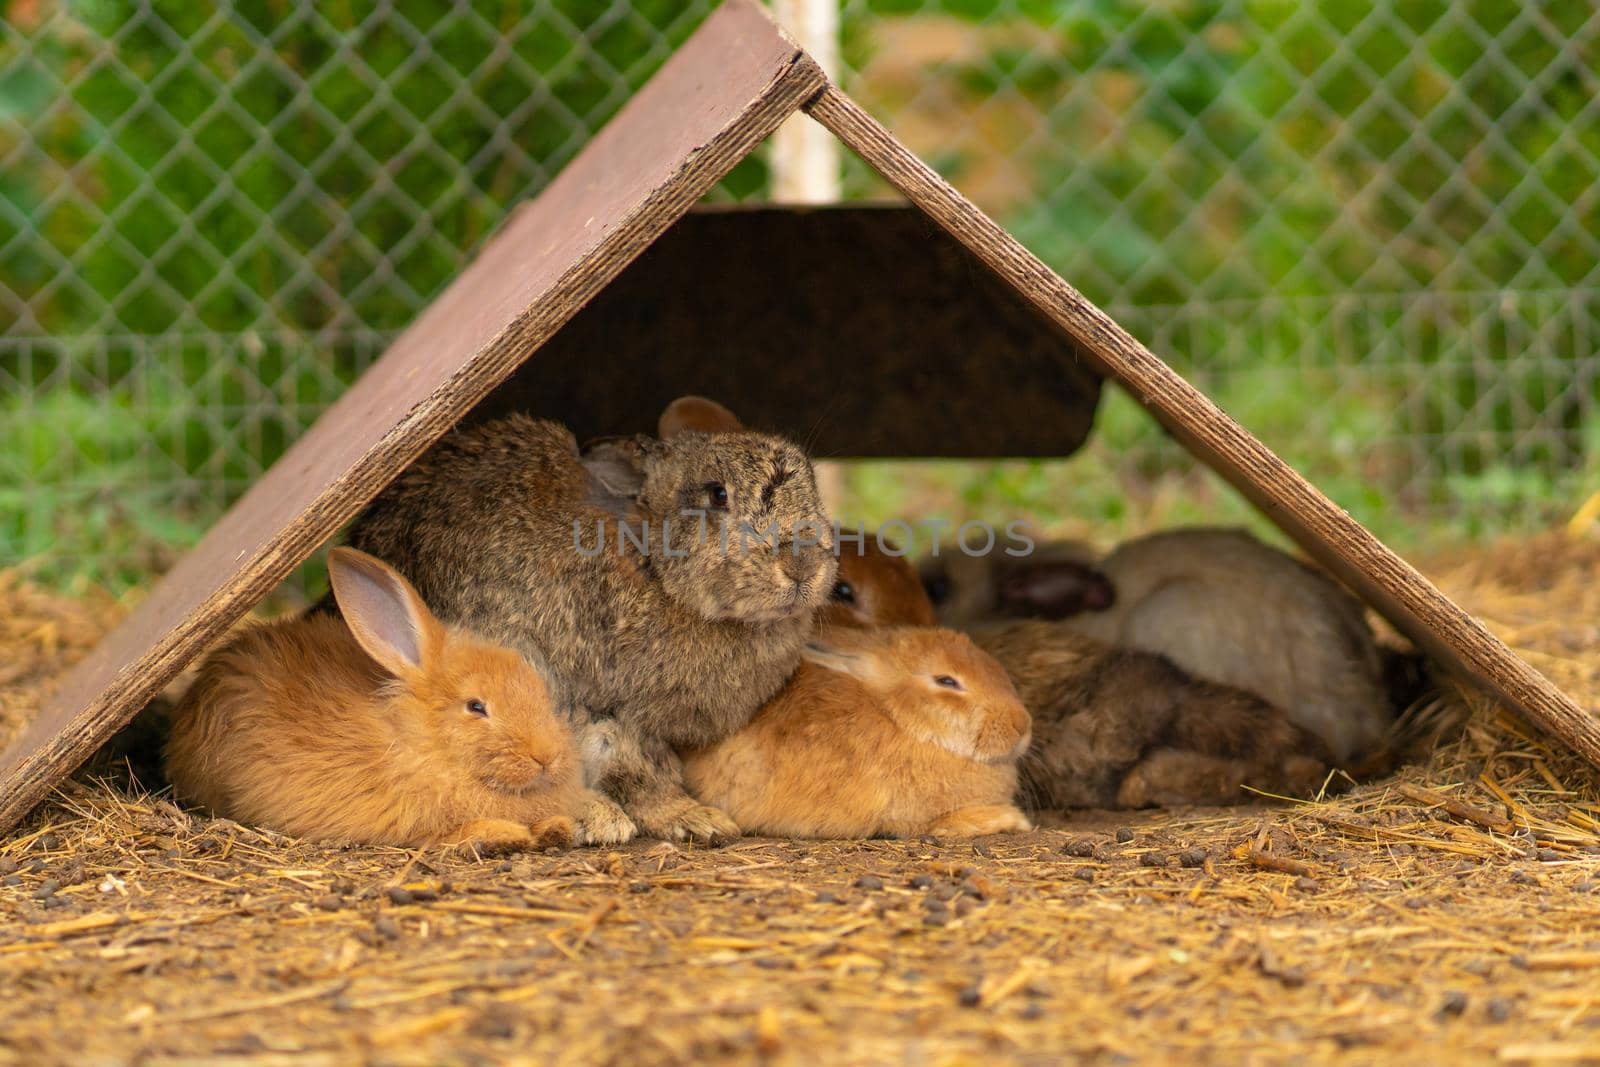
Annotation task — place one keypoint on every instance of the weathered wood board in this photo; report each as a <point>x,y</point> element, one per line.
<point>717,98</point>
<point>714,101</point>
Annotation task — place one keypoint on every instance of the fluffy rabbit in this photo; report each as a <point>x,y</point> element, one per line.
<point>389,730</point>
<point>893,732</point>
<point>1058,580</point>
<point>875,587</point>
<point>670,635</point>
<point>1118,727</point>
<point>1112,727</point>
<point>1219,603</point>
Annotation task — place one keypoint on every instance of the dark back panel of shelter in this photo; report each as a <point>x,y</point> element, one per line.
<point>862,331</point>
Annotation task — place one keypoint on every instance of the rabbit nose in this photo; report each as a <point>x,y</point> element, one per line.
<point>796,567</point>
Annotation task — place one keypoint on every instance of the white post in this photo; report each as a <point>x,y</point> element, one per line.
<point>805,157</point>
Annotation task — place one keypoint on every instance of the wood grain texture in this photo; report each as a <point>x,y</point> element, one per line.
<point>1325,531</point>
<point>718,97</point>
<point>854,329</point>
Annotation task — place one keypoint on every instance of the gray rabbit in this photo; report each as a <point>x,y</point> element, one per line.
<point>668,583</point>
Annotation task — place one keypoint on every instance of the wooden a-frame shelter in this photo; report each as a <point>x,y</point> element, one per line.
<point>709,106</point>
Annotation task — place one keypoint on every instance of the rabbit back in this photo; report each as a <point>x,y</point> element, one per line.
<point>1100,711</point>
<point>279,730</point>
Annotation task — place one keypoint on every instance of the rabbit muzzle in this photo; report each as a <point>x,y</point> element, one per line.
<point>1014,753</point>
<point>999,743</point>
<point>519,773</point>
<point>812,574</point>
<point>792,588</point>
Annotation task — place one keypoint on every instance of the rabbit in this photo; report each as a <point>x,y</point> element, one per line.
<point>892,732</point>
<point>875,586</point>
<point>1058,580</point>
<point>384,727</point>
<point>667,635</point>
<point>1112,727</point>
<point>1218,602</point>
<point>1125,728</point>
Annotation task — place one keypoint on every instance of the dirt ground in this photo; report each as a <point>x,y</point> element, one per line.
<point>1448,914</point>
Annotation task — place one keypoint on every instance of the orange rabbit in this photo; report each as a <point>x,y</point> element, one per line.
<point>895,732</point>
<point>389,730</point>
<point>875,587</point>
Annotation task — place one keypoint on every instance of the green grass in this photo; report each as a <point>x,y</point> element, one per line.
<point>77,500</point>
<point>1131,478</point>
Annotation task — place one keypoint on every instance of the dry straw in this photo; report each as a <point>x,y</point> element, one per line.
<point>1447,914</point>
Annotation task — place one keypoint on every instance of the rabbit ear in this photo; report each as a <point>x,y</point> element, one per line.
<point>384,612</point>
<point>698,415</point>
<point>1053,589</point>
<point>615,466</point>
<point>836,653</point>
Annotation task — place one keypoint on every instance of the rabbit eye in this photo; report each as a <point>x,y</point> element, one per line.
<point>946,682</point>
<point>843,591</point>
<point>478,708</point>
<point>938,589</point>
<point>717,494</point>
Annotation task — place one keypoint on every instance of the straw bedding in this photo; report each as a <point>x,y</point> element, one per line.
<point>1446,914</point>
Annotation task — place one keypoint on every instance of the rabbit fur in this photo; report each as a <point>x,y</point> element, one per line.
<point>890,732</point>
<point>1112,727</point>
<point>1219,603</point>
<point>672,644</point>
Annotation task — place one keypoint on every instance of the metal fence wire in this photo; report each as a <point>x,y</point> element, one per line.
<point>1371,229</point>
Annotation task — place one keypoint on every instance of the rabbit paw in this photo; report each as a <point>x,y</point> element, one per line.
<point>556,831</point>
<point>981,819</point>
<point>602,822</point>
<point>490,837</point>
<point>689,820</point>
<point>1136,790</point>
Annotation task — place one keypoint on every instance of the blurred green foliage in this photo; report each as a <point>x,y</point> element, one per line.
<point>212,216</point>
<point>1367,228</point>
<point>275,164</point>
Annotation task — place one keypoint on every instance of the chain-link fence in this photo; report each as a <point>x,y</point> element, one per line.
<point>1370,229</point>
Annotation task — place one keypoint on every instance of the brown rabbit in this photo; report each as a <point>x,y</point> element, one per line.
<point>891,732</point>
<point>1112,727</point>
<point>669,635</point>
<point>875,587</point>
<point>1219,603</point>
<point>1117,727</point>
<point>389,730</point>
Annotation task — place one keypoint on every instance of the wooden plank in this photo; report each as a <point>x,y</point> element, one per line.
<point>871,320</point>
<point>718,97</point>
<point>1326,532</point>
